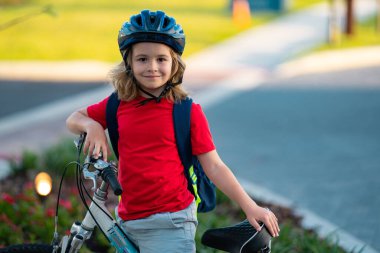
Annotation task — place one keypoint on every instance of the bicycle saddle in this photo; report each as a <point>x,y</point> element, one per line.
<point>239,238</point>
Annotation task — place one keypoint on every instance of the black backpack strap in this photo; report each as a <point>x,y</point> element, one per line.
<point>111,118</point>
<point>181,118</point>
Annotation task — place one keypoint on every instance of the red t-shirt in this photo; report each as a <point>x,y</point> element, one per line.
<point>150,169</point>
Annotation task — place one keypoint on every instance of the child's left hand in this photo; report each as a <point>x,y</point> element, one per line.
<point>267,217</point>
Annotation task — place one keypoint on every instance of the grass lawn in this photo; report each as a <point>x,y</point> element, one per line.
<point>87,29</point>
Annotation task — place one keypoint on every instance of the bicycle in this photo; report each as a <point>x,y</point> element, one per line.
<point>239,238</point>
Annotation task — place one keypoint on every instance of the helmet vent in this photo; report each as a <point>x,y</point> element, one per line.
<point>166,22</point>
<point>152,18</point>
<point>139,20</point>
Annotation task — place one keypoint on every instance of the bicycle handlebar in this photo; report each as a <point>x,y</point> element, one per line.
<point>109,175</point>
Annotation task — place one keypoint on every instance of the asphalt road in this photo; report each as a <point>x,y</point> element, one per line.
<point>16,96</point>
<point>312,139</point>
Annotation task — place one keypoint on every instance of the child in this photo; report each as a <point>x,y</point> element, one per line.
<point>156,208</point>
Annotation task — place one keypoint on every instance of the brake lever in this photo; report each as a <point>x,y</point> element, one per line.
<point>92,175</point>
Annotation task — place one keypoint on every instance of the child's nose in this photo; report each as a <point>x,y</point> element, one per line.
<point>152,66</point>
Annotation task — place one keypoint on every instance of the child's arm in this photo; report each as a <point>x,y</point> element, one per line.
<point>96,141</point>
<point>225,180</point>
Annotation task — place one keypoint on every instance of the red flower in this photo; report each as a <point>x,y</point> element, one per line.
<point>8,198</point>
<point>66,204</point>
<point>50,212</point>
<point>29,185</point>
<point>22,196</point>
<point>74,191</point>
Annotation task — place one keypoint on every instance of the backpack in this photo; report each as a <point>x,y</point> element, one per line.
<point>198,183</point>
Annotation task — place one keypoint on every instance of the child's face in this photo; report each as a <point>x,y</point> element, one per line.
<point>151,65</point>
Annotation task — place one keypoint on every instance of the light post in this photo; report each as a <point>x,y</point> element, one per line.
<point>43,185</point>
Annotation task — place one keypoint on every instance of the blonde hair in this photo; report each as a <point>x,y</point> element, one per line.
<point>127,87</point>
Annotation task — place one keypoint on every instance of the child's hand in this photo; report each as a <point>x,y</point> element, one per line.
<point>267,217</point>
<point>96,143</point>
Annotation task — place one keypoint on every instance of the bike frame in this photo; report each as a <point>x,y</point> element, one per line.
<point>98,215</point>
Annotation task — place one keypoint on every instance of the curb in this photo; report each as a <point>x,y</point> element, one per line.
<point>58,71</point>
<point>331,61</point>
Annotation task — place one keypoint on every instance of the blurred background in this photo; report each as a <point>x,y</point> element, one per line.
<point>290,88</point>
<point>71,30</point>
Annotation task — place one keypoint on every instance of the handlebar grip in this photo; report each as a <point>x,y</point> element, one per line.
<point>109,175</point>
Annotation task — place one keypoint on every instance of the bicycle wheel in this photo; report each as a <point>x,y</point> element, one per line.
<point>28,248</point>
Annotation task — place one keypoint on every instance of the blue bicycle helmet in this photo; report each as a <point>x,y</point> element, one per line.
<point>151,26</point>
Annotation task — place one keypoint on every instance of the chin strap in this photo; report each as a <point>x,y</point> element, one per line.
<point>167,88</point>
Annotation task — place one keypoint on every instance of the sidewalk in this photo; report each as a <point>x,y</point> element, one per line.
<point>240,63</point>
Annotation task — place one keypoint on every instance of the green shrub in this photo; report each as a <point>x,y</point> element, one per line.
<point>27,218</point>
<point>29,160</point>
<point>56,158</point>
<point>297,240</point>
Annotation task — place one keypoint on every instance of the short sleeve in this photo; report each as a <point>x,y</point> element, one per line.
<point>97,112</point>
<point>201,138</point>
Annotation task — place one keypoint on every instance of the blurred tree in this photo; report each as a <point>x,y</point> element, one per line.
<point>45,10</point>
<point>378,17</point>
<point>350,19</point>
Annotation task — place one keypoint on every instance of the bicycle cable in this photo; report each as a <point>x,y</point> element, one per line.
<point>116,224</point>
<point>80,187</point>
<point>55,236</point>
<point>89,196</point>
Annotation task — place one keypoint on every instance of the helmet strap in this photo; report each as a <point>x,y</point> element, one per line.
<point>168,87</point>
<point>128,69</point>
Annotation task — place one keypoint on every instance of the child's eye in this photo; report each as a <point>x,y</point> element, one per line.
<point>142,59</point>
<point>161,59</point>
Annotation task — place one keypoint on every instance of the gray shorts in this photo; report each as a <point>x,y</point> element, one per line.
<point>164,232</point>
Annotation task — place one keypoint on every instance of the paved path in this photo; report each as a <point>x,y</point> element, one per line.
<point>222,79</point>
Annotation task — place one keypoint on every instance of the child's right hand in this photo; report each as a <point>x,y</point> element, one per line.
<point>96,143</point>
